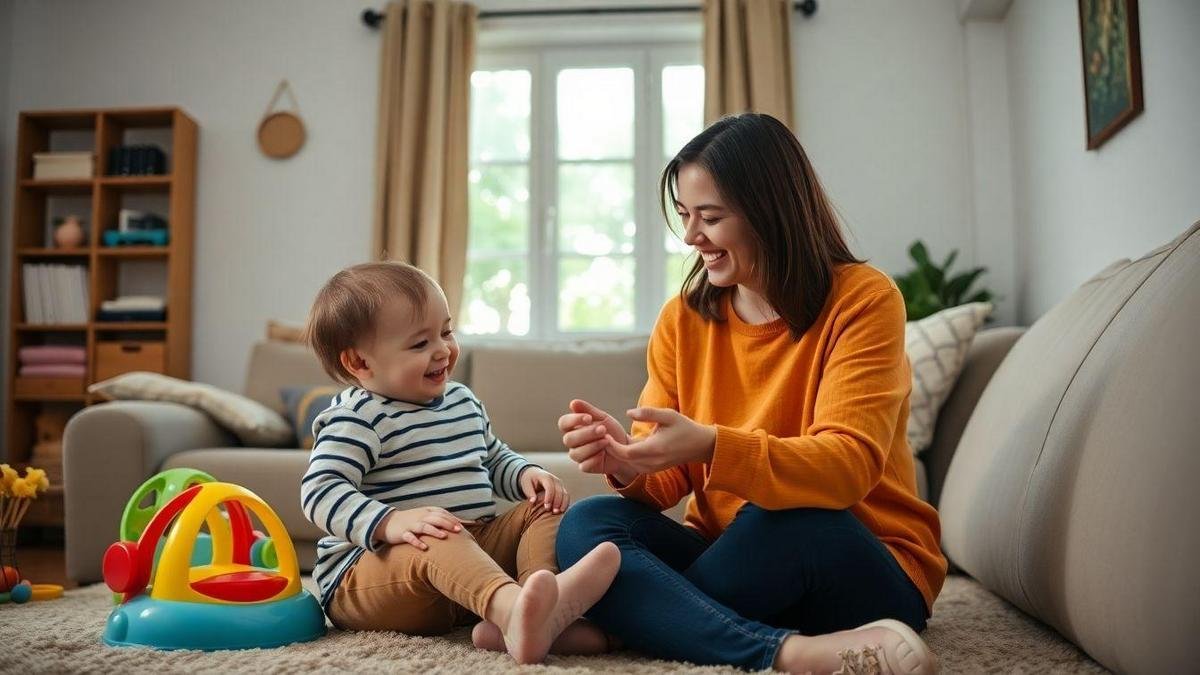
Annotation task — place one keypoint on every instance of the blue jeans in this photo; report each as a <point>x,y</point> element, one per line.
<point>734,600</point>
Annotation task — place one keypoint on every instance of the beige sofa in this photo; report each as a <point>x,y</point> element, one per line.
<point>1064,469</point>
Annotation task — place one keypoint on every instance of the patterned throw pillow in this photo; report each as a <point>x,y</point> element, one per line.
<point>252,422</point>
<point>937,347</point>
<point>301,405</point>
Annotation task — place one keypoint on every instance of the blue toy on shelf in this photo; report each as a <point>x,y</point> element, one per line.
<point>137,237</point>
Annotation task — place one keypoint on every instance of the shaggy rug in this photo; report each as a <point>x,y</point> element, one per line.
<point>972,631</point>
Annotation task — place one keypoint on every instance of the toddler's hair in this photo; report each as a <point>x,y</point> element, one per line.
<point>344,313</point>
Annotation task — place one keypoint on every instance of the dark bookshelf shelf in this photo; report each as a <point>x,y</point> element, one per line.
<point>38,252</point>
<point>72,186</point>
<point>130,325</point>
<point>133,251</point>
<point>51,327</point>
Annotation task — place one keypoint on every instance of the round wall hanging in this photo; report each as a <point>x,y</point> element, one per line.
<point>281,133</point>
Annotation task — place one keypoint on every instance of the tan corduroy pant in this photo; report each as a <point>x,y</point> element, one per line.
<point>417,592</point>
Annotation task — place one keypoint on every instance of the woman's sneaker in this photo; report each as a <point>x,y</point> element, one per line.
<point>892,649</point>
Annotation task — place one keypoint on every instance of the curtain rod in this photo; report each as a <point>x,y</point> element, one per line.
<point>373,18</point>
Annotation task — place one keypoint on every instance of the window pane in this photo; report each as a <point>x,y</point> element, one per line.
<point>595,208</point>
<point>683,106</point>
<point>500,115</point>
<point>595,294</point>
<point>499,203</point>
<point>678,265</point>
<point>595,113</point>
<point>496,297</point>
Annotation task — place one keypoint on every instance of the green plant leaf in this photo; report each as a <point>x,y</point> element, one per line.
<point>958,286</point>
<point>981,296</point>
<point>949,261</point>
<point>918,253</point>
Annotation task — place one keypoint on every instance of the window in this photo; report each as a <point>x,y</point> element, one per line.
<point>566,237</point>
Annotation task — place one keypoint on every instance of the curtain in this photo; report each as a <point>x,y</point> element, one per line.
<point>747,58</point>
<point>421,144</point>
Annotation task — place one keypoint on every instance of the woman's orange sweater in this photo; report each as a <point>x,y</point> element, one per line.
<point>815,423</point>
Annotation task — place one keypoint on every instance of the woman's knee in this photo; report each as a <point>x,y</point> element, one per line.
<point>587,523</point>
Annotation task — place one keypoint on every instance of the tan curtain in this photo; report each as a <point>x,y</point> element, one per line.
<point>421,165</point>
<point>747,58</point>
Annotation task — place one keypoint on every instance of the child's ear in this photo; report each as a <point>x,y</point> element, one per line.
<point>354,363</point>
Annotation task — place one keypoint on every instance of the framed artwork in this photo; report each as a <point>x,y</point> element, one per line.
<point>1112,66</point>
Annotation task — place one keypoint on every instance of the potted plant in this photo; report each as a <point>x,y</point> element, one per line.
<point>929,288</point>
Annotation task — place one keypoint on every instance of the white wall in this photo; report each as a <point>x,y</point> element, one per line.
<point>1078,211</point>
<point>268,233</point>
<point>881,108</point>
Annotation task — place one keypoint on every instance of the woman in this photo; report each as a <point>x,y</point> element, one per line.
<point>777,397</point>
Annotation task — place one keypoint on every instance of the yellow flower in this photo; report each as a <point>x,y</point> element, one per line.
<point>23,488</point>
<point>7,476</point>
<point>37,478</point>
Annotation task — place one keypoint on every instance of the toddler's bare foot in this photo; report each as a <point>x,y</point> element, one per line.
<point>580,638</point>
<point>583,584</point>
<point>547,604</point>
<point>885,647</point>
<point>528,637</point>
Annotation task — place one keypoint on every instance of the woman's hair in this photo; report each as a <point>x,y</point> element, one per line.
<point>763,175</point>
<point>344,313</point>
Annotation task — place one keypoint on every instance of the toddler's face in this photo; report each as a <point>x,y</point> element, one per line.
<point>411,356</point>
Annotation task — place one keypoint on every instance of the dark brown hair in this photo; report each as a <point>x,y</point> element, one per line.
<point>343,315</point>
<point>763,175</point>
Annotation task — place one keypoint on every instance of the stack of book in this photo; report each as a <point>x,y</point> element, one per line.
<point>55,294</point>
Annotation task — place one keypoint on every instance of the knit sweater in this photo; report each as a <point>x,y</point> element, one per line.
<point>818,422</point>
<point>374,455</point>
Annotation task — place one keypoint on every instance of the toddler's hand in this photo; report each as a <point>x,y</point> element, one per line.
<point>407,527</point>
<point>554,496</point>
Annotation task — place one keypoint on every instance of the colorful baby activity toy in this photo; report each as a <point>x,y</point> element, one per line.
<point>223,595</point>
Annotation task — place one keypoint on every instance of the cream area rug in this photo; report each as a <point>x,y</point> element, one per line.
<point>972,631</point>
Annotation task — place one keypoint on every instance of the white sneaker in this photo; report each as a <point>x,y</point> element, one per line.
<point>902,652</point>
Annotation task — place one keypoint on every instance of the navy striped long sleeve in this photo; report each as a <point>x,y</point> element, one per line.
<point>373,455</point>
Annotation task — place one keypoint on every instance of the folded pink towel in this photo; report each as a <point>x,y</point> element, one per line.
<point>60,370</point>
<point>52,354</point>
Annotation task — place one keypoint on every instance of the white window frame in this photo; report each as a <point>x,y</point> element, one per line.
<point>542,62</point>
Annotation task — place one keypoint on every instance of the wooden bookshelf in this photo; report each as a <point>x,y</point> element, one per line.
<point>100,198</point>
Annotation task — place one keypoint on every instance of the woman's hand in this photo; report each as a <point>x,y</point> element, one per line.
<point>585,432</point>
<point>554,496</point>
<point>408,526</point>
<point>676,440</point>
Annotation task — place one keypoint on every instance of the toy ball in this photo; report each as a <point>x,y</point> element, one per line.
<point>8,578</point>
<point>21,593</point>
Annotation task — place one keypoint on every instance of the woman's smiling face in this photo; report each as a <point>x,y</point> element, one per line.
<point>718,233</point>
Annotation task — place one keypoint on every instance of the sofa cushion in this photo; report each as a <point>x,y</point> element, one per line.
<point>275,365</point>
<point>936,347</point>
<point>987,351</point>
<point>301,407</point>
<point>526,388</point>
<point>1074,478</point>
<point>251,422</point>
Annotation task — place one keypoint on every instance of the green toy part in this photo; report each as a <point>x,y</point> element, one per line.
<point>165,485</point>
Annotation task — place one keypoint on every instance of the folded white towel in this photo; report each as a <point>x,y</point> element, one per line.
<point>134,302</point>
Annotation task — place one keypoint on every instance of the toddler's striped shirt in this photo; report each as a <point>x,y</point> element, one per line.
<point>373,455</point>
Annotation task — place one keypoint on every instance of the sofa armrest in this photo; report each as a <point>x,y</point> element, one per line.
<point>108,451</point>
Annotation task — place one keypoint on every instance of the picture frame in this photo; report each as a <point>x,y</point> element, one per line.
<point>1112,67</point>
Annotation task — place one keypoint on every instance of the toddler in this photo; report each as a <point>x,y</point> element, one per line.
<point>403,477</point>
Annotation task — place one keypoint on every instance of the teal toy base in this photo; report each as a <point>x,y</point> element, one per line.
<point>166,624</point>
